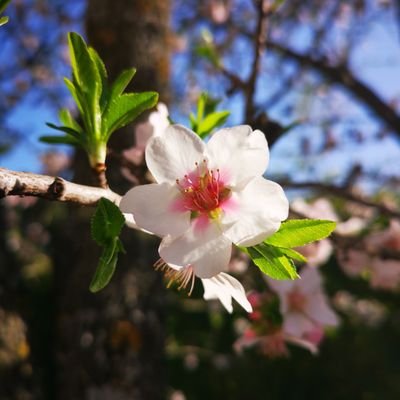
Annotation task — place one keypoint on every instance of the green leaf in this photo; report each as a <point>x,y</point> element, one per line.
<point>103,77</point>
<point>67,130</point>
<point>201,105</point>
<point>88,80</point>
<point>272,262</point>
<point>193,122</point>
<point>73,90</point>
<point>107,222</point>
<point>106,267</point>
<point>68,120</point>
<point>4,4</point>
<point>121,82</point>
<point>3,20</point>
<point>59,140</point>
<point>292,254</point>
<point>211,121</point>
<point>298,232</point>
<point>124,109</point>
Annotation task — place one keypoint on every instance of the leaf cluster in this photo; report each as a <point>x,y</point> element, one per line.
<point>207,118</point>
<point>103,108</point>
<point>275,256</point>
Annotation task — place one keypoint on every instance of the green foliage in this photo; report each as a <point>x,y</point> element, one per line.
<point>272,261</point>
<point>298,232</point>
<point>207,49</point>
<point>102,109</point>
<point>207,118</point>
<point>275,255</point>
<point>106,226</point>
<point>3,6</point>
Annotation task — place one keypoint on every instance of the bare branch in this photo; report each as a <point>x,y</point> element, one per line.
<point>342,75</point>
<point>344,193</point>
<point>13,183</point>
<point>259,46</point>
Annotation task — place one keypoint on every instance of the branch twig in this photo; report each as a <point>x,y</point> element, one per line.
<point>343,193</point>
<point>259,46</point>
<point>13,183</point>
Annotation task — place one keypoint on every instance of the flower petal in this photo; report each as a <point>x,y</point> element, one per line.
<point>152,207</point>
<point>257,213</point>
<point>225,287</point>
<point>239,153</point>
<point>320,312</point>
<point>174,153</point>
<point>297,324</point>
<point>206,249</point>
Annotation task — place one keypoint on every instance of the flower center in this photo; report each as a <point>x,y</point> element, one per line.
<point>297,301</point>
<point>203,191</point>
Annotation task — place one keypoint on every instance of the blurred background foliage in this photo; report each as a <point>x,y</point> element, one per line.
<point>320,79</point>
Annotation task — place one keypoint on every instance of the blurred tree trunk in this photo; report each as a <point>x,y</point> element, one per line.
<point>110,344</point>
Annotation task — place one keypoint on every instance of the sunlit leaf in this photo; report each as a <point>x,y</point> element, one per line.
<point>272,262</point>
<point>124,109</point>
<point>212,121</point>
<point>298,232</point>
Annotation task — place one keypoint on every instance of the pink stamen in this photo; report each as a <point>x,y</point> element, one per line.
<point>203,191</point>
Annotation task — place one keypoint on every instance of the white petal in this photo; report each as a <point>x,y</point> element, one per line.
<point>174,153</point>
<point>258,211</point>
<point>239,153</point>
<point>152,208</point>
<point>206,249</point>
<point>225,287</point>
<point>296,324</point>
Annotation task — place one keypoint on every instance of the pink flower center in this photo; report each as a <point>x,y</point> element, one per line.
<point>203,191</point>
<point>296,301</point>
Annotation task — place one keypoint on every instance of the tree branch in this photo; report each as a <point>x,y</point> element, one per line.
<point>343,193</point>
<point>342,75</point>
<point>259,45</point>
<point>13,183</point>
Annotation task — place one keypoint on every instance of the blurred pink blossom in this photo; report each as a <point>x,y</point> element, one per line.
<point>274,344</point>
<point>219,10</point>
<point>383,273</point>
<point>317,253</point>
<point>55,162</point>
<point>156,123</point>
<point>303,304</point>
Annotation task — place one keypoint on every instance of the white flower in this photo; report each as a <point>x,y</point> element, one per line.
<point>208,196</point>
<point>224,287</point>
<point>303,304</point>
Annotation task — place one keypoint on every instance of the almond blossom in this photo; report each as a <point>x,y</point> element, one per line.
<point>224,287</point>
<point>207,196</point>
<point>383,273</point>
<point>303,304</point>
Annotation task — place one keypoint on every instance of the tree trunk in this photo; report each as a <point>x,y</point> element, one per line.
<point>110,344</point>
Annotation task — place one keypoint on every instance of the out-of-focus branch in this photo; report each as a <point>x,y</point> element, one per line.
<point>259,46</point>
<point>13,183</point>
<point>343,193</point>
<point>342,75</point>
